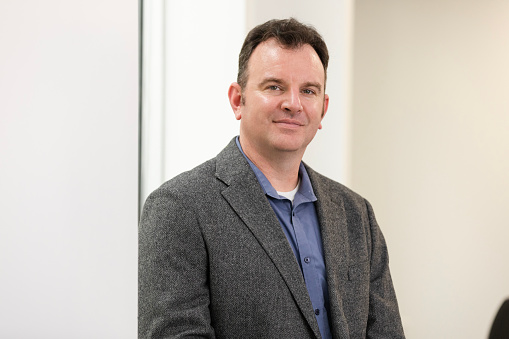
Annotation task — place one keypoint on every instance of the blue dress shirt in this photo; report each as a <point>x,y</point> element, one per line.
<point>299,222</point>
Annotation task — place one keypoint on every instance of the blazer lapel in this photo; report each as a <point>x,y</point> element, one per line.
<point>333,224</point>
<point>247,199</point>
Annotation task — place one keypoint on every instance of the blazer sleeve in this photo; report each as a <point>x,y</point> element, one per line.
<point>173,294</point>
<point>383,319</point>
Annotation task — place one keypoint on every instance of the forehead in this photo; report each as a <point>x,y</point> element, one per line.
<point>271,57</point>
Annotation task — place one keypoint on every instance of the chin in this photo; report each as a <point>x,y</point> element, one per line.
<point>290,146</point>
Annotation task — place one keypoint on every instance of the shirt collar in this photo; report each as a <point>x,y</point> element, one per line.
<point>305,192</point>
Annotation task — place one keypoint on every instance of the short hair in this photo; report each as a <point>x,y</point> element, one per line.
<point>290,33</point>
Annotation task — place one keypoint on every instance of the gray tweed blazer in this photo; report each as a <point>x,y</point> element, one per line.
<point>215,263</point>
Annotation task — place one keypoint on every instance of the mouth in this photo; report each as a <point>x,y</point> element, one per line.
<point>289,123</point>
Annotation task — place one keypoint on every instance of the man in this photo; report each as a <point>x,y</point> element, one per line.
<point>254,243</point>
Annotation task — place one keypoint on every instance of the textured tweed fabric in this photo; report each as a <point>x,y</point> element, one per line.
<point>215,263</point>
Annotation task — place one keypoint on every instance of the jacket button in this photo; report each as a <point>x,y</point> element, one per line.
<point>307,260</point>
<point>317,311</point>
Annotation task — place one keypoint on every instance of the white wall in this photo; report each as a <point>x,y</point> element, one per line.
<point>431,152</point>
<point>190,59</point>
<point>68,173</point>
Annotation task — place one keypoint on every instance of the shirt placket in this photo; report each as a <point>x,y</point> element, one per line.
<point>308,265</point>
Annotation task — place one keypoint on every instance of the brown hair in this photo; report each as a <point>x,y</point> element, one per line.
<point>290,33</point>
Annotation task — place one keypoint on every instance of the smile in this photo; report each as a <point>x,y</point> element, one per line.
<point>289,123</point>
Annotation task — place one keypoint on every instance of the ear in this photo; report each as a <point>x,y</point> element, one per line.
<point>235,96</point>
<point>325,108</point>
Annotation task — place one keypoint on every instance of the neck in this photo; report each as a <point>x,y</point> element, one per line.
<point>280,168</point>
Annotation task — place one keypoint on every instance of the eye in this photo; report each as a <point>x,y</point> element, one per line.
<point>308,91</point>
<point>274,88</point>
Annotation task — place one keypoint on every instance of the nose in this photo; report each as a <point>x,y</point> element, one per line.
<point>291,102</point>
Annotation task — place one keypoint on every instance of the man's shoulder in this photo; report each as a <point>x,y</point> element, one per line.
<point>196,179</point>
<point>205,178</point>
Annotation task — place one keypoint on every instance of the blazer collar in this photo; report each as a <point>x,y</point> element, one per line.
<point>247,199</point>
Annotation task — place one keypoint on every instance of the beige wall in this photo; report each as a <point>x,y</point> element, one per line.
<point>430,150</point>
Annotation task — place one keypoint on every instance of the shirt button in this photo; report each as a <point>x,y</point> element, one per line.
<point>307,260</point>
<point>317,311</point>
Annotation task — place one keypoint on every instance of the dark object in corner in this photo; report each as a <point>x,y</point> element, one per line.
<point>500,327</point>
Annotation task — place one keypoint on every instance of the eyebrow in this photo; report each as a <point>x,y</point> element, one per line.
<point>317,85</point>
<point>268,80</point>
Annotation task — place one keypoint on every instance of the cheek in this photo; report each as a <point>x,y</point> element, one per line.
<point>266,101</point>
<point>315,110</point>
<point>262,107</point>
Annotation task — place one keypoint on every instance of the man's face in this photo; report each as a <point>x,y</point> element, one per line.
<point>283,103</point>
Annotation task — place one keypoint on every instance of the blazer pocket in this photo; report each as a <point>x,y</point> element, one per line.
<point>359,271</point>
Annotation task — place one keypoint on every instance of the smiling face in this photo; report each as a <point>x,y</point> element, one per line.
<point>283,103</point>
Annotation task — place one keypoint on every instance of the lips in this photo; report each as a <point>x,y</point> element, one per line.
<point>289,122</point>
